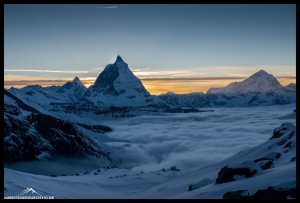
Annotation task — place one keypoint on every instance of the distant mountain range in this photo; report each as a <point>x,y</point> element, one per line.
<point>260,89</point>
<point>41,122</point>
<point>117,86</point>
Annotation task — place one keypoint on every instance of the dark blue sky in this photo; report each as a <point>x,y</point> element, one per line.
<point>155,38</point>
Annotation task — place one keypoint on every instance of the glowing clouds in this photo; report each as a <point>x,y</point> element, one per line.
<point>183,86</point>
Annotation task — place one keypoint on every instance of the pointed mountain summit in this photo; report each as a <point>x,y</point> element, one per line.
<point>119,59</point>
<point>260,73</point>
<point>117,79</point>
<point>259,82</point>
<point>77,81</point>
<point>74,88</point>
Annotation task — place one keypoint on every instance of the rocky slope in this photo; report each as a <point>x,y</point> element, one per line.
<point>31,135</point>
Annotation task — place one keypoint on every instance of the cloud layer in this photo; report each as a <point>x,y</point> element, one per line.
<point>193,140</point>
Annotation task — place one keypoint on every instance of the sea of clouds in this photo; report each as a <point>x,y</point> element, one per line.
<point>192,140</point>
<point>188,140</point>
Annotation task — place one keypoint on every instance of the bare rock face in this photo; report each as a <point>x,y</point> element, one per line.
<point>278,132</point>
<point>237,171</point>
<point>272,193</point>
<point>269,193</point>
<point>266,164</point>
<point>40,136</point>
<point>239,194</point>
<point>227,174</point>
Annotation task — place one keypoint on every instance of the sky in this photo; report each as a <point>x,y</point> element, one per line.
<point>164,45</point>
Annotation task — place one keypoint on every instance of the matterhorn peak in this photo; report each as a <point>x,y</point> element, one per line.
<point>119,59</point>
<point>117,79</point>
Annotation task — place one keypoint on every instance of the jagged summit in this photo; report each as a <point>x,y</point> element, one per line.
<point>77,81</point>
<point>119,59</point>
<point>76,87</point>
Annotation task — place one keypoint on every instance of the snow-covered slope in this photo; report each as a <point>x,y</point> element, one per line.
<point>260,89</point>
<point>252,173</point>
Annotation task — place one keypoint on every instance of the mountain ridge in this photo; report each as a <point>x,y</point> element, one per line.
<point>117,86</point>
<point>259,89</point>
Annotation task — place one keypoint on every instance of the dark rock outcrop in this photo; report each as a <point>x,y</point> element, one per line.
<point>266,164</point>
<point>226,174</point>
<point>239,194</point>
<point>272,193</point>
<point>95,128</point>
<point>173,168</point>
<point>278,133</point>
<point>269,193</point>
<point>40,136</point>
<point>245,169</point>
<point>269,156</point>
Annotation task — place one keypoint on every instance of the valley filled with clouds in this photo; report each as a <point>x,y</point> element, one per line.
<point>193,140</point>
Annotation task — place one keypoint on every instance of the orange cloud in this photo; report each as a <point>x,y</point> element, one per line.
<point>286,80</point>
<point>154,86</point>
<point>182,86</point>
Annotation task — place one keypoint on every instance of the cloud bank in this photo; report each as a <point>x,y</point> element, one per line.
<point>193,140</point>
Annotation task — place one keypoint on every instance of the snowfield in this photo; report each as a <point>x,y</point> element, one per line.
<point>199,145</point>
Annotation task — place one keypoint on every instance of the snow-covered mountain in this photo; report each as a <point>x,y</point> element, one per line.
<point>259,82</point>
<point>260,89</point>
<point>117,79</point>
<point>117,92</point>
<point>118,86</point>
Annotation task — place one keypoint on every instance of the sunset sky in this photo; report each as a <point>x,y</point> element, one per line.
<point>179,48</point>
